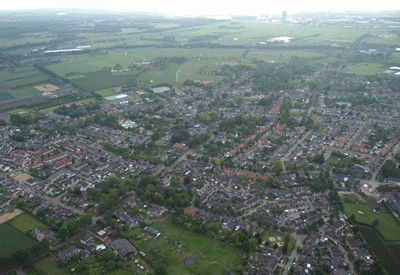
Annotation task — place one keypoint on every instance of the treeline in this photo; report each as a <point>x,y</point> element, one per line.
<point>76,111</point>
<point>172,197</point>
<point>23,257</point>
<point>21,119</point>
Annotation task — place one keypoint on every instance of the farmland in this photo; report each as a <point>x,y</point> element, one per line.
<point>384,252</point>
<point>101,80</point>
<point>387,226</point>
<point>12,240</point>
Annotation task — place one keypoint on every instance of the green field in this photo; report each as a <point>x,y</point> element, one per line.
<point>211,256</point>
<point>158,77</point>
<point>101,80</point>
<point>280,55</point>
<point>387,226</point>
<point>366,69</point>
<point>26,222</point>
<point>46,264</point>
<point>12,240</point>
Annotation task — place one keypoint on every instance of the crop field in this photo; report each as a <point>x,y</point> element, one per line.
<point>389,257</point>
<point>100,80</point>
<point>387,226</point>
<point>24,92</point>
<point>23,76</point>
<point>210,256</point>
<point>12,240</point>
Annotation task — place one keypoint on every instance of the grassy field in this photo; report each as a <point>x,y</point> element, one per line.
<point>48,264</point>
<point>101,80</point>
<point>83,101</point>
<point>211,256</point>
<point>156,78</point>
<point>366,69</point>
<point>280,55</point>
<point>26,222</point>
<point>332,160</point>
<point>12,240</point>
<point>387,226</point>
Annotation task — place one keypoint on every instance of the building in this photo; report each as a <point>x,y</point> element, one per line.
<point>123,248</point>
<point>284,15</point>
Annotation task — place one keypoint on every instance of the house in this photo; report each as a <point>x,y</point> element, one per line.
<point>190,212</point>
<point>31,182</point>
<point>152,231</point>
<point>87,239</point>
<point>123,248</point>
<point>66,254</point>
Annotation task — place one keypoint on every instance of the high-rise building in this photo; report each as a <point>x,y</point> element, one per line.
<point>284,15</point>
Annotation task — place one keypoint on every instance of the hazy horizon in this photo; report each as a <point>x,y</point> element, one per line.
<point>204,8</point>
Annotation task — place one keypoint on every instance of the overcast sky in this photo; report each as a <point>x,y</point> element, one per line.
<point>208,7</point>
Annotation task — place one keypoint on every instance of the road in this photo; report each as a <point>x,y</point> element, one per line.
<point>54,200</point>
<point>285,156</point>
<point>299,240</point>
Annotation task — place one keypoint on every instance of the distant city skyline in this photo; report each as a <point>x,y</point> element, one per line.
<point>207,7</point>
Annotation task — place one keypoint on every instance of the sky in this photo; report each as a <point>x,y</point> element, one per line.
<point>208,7</point>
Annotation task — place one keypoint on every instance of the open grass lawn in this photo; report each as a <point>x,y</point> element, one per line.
<point>48,265</point>
<point>210,256</point>
<point>367,69</point>
<point>26,222</point>
<point>387,226</point>
<point>155,78</point>
<point>11,240</point>
<point>332,160</point>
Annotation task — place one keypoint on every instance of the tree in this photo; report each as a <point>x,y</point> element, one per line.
<point>277,167</point>
<point>118,67</point>
<point>375,223</point>
<point>110,265</point>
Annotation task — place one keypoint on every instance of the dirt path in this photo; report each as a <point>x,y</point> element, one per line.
<point>177,74</point>
<point>9,216</point>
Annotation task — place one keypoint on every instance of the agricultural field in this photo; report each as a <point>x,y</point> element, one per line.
<point>100,80</point>
<point>387,226</point>
<point>22,77</point>
<point>12,240</point>
<point>20,93</point>
<point>26,222</point>
<point>389,257</point>
<point>366,69</point>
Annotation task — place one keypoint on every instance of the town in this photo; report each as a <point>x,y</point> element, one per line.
<point>265,168</point>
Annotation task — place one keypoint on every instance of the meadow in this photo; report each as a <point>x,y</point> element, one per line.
<point>387,226</point>
<point>26,222</point>
<point>367,69</point>
<point>100,80</point>
<point>210,256</point>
